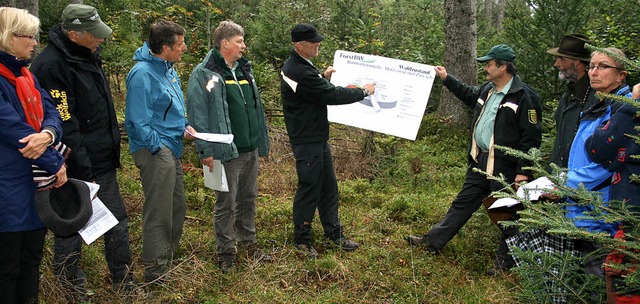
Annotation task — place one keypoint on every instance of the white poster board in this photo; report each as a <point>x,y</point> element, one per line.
<point>402,93</point>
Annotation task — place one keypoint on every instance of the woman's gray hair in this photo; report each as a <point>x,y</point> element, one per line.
<point>14,21</point>
<point>616,51</point>
<point>226,30</point>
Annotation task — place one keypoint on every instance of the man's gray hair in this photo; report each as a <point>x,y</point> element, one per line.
<point>226,30</point>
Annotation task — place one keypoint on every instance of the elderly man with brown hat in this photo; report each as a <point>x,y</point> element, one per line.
<point>572,62</point>
<point>70,69</point>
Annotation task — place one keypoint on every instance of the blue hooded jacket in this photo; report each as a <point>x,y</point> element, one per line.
<point>583,170</point>
<point>17,188</point>
<point>155,110</point>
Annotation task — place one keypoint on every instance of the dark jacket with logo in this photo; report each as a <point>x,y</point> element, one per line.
<point>305,96</point>
<point>74,78</point>
<point>518,123</point>
<point>578,97</point>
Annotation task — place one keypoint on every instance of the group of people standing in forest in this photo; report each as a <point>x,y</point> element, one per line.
<point>59,120</point>
<point>592,141</point>
<point>59,128</point>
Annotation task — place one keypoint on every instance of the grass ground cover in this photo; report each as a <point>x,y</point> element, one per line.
<point>399,189</point>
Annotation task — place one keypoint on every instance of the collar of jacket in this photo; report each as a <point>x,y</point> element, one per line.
<point>301,59</point>
<point>579,87</point>
<point>71,49</point>
<point>13,64</point>
<point>217,63</point>
<point>144,53</point>
<point>516,84</point>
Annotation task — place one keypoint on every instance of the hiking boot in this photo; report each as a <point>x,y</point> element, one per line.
<point>345,244</point>
<point>421,241</point>
<point>255,253</point>
<point>227,262</point>
<point>307,250</point>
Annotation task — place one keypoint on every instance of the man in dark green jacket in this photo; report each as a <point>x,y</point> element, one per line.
<point>507,113</point>
<point>572,60</point>
<point>305,96</point>
<point>222,97</point>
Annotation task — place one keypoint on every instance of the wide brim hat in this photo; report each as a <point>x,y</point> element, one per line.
<point>572,46</point>
<point>67,209</point>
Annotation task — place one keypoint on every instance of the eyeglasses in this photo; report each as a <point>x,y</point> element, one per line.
<point>602,67</point>
<point>32,37</point>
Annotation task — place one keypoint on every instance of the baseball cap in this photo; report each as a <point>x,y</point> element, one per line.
<point>305,32</point>
<point>80,17</point>
<point>501,52</point>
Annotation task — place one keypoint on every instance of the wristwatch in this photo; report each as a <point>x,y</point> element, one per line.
<point>365,91</point>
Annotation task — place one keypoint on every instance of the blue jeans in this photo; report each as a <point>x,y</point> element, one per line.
<point>117,252</point>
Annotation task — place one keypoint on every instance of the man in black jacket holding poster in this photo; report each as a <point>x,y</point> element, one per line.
<point>305,95</point>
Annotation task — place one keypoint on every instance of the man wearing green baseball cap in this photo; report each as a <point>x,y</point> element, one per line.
<point>507,113</point>
<point>70,69</point>
<point>84,18</point>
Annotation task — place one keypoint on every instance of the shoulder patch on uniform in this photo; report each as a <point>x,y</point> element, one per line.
<point>533,116</point>
<point>60,99</point>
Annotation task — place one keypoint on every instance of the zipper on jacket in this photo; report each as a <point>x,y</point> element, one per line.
<point>166,111</point>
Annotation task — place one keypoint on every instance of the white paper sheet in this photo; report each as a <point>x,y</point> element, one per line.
<point>213,137</point>
<point>216,180</point>
<point>400,99</point>
<point>101,221</point>
<point>530,191</point>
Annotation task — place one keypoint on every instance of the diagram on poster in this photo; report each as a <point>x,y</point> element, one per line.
<point>402,93</point>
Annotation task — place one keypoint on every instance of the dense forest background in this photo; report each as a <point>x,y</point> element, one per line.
<point>389,187</point>
<point>411,30</point>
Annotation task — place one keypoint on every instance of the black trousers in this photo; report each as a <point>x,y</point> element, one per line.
<point>317,189</point>
<point>476,188</point>
<point>20,257</point>
<point>67,250</point>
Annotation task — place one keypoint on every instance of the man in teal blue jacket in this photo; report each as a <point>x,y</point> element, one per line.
<point>223,98</point>
<point>156,123</point>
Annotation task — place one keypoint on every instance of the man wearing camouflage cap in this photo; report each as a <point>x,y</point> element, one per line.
<point>70,69</point>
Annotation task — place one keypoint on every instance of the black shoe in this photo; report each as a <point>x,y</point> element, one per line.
<point>345,244</point>
<point>421,241</point>
<point>307,250</point>
<point>227,262</point>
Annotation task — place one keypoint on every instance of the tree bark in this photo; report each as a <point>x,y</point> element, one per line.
<point>459,55</point>
<point>488,9</point>
<point>11,3</point>
<point>29,5</point>
<point>499,15</point>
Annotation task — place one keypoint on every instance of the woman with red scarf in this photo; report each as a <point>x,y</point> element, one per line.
<point>30,129</point>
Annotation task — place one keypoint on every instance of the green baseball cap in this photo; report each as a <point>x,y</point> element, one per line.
<point>80,17</point>
<point>501,52</point>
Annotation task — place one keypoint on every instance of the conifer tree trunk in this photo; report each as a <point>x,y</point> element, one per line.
<point>11,3</point>
<point>29,5</point>
<point>499,14</point>
<point>488,9</point>
<point>459,55</point>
